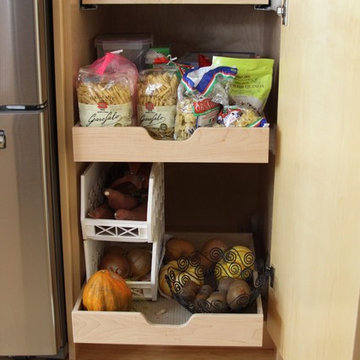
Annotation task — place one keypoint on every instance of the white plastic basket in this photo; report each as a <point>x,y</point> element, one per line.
<point>141,290</point>
<point>92,187</point>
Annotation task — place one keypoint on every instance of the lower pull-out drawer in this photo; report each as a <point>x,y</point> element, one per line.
<point>165,322</point>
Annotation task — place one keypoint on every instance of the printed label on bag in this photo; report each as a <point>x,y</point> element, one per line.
<point>157,117</point>
<point>103,114</point>
<point>208,119</point>
<point>206,112</point>
<point>158,120</point>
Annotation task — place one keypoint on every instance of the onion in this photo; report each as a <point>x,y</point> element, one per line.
<point>212,251</point>
<point>176,248</point>
<point>140,262</point>
<point>238,295</point>
<point>114,250</point>
<point>116,263</point>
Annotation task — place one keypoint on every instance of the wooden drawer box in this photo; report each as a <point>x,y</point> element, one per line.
<point>166,322</point>
<point>237,145</point>
<point>108,327</point>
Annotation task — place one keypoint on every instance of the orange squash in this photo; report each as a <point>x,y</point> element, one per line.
<point>106,291</point>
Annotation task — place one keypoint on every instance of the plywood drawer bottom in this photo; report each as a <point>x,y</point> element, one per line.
<point>165,322</point>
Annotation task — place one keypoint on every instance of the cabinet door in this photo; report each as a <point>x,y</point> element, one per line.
<point>316,229</point>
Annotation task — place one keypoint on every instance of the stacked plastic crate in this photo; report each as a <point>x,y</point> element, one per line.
<point>99,234</point>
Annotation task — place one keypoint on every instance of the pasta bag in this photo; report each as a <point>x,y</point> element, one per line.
<point>106,92</point>
<point>253,81</point>
<point>193,111</point>
<point>237,116</point>
<point>157,95</point>
<point>201,94</point>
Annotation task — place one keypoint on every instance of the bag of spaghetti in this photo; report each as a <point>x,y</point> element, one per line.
<point>106,92</point>
<point>201,95</point>
<point>156,106</point>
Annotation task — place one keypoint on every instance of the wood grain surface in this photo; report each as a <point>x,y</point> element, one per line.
<point>188,28</point>
<point>236,145</point>
<point>315,243</point>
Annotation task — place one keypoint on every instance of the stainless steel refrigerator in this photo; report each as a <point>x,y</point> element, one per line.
<point>32,315</point>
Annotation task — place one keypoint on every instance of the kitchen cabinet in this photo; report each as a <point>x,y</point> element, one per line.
<point>307,197</point>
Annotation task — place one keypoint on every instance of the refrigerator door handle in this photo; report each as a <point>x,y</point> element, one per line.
<point>2,139</point>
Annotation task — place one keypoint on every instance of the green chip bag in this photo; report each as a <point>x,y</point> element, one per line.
<point>252,83</point>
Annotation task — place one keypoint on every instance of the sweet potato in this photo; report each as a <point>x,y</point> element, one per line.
<point>134,167</point>
<point>135,180</point>
<point>144,171</point>
<point>102,212</point>
<point>139,213</point>
<point>119,200</point>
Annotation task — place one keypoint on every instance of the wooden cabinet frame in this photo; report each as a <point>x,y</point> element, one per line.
<point>313,306</point>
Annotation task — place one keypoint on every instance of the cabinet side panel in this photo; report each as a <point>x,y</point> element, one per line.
<point>74,31</point>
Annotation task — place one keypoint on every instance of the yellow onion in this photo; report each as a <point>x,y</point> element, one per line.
<point>176,248</point>
<point>212,251</point>
<point>140,262</point>
<point>115,263</point>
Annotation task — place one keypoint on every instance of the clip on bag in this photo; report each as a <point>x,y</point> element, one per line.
<point>106,92</point>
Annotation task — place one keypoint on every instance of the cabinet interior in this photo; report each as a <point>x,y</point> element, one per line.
<point>224,197</point>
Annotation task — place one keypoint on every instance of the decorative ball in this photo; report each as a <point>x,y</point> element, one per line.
<point>237,263</point>
<point>178,273</point>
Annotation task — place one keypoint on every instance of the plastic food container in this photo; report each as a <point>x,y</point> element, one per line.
<point>192,58</point>
<point>134,46</point>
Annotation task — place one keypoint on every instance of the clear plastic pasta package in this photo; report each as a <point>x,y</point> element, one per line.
<point>240,116</point>
<point>157,96</point>
<point>193,111</point>
<point>106,92</point>
<point>201,94</point>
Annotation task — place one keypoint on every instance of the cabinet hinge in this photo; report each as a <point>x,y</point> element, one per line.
<point>265,274</point>
<point>281,8</point>
<point>87,7</point>
<point>270,273</point>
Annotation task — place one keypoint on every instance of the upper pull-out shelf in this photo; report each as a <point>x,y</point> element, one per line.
<point>222,145</point>
<point>220,2</point>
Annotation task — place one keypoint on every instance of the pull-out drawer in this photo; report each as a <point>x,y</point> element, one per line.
<point>166,322</point>
<point>237,145</point>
